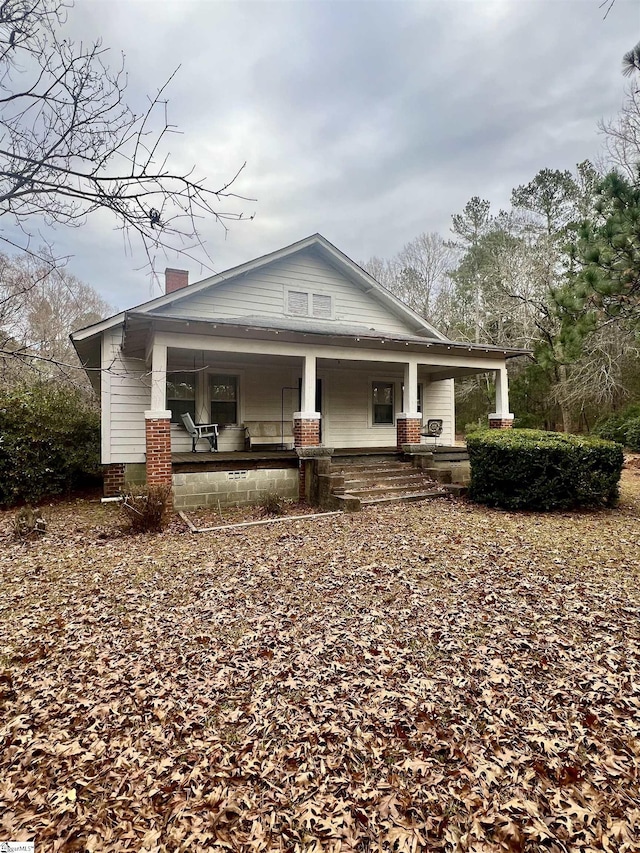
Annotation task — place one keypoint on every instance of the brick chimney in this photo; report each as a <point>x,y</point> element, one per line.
<point>175,280</point>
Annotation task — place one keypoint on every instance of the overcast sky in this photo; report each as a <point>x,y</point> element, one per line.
<point>369,122</point>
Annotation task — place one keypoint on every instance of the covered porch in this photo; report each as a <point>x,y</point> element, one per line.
<point>355,392</point>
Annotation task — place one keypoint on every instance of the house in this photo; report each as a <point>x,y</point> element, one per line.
<point>293,354</point>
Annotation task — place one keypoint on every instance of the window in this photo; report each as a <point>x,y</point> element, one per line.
<point>301,303</point>
<point>224,399</point>
<point>382,397</point>
<point>181,395</point>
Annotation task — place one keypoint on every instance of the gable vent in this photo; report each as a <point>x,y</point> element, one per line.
<point>298,303</point>
<point>321,306</point>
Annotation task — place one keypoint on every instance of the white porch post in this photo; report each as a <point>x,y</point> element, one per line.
<point>308,398</point>
<point>159,380</point>
<point>306,422</point>
<point>410,391</point>
<point>203,410</point>
<point>157,422</point>
<point>502,418</point>
<point>409,422</point>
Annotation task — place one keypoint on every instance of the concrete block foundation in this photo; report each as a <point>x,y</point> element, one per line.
<point>232,488</point>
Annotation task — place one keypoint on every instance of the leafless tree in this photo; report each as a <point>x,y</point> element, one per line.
<point>418,273</point>
<point>39,305</point>
<point>424,265</point>
<point>70,145</point>
<point>622,135</point>
<point>599,378</point>
<point>383,270</point>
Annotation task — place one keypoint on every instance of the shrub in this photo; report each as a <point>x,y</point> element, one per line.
<point>272,505</point>
<point>614,427</point>
<point>145,508</point>
<point>632,434</point>
<point>49,442</point>
<point>27,523</point>
<point>532,469</point>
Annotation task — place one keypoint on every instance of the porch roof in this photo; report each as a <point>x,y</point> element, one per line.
<point>138,328</point>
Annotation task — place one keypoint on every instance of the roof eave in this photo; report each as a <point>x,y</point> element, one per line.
<point>97,328</point>
<point>381,339</point>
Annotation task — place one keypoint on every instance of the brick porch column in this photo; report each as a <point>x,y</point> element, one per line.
<point>500,421</point>
<point>158,445</point>
<point>113,479</point>
<point>408,427</point>
<point>306,433</point>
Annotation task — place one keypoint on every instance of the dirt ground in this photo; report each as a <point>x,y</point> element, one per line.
<point>435,676</point>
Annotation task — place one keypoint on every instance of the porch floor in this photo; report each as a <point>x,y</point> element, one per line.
<point>201,457</point>
<point>275,456</point>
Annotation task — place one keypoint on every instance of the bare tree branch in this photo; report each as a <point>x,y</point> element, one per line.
<point>70,145</point>
<point>609,4</point>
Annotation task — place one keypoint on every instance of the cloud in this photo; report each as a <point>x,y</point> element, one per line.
<point>367,121</point>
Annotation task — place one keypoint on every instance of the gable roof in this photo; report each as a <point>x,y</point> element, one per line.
<point>327,250</point>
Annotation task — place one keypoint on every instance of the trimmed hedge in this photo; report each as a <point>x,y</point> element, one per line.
<point>49,442</point>
<point>533,469</point>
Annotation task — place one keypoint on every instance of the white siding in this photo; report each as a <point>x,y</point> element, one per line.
<point>264,293</point>
<point>129,397</point>
<point>347,406</point>
<point>439,402</point>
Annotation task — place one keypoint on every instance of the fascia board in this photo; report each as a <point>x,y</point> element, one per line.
<point>97,328</point>
<point>369,283</point>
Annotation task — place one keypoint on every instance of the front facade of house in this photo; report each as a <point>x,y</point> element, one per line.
<point>302,340</point>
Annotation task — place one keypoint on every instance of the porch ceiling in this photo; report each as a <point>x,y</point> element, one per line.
<point>184,359</point>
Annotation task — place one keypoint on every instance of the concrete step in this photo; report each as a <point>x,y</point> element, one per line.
<point>407,498</point>
<point>391,471</point>
<point>456,490</point>
<point>392,479</point>
<point>370,466</point>
<point>455,456</point>
<point>385,489</point>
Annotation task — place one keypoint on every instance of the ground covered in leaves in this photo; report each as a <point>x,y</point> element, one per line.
<point>208,517</point>
<point>437,676</point>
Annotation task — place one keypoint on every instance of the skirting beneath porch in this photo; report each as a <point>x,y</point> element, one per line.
<point>232,488</point>
<point>233,478</point>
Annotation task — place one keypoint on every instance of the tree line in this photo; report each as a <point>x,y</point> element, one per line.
<point>557,273</point>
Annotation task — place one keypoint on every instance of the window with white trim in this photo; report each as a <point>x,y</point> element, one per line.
<point>181,395</point>
<point>223,392</point>
<point>382,403</point>
<point>303,303</point>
